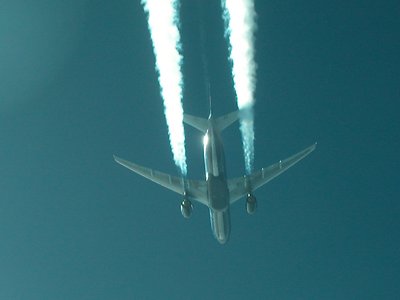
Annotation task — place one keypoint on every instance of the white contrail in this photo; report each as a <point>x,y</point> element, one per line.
<point>163,18</point>
<point>240,25</point>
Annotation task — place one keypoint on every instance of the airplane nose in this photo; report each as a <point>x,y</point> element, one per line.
<point>221,236</point>
<point>223,242</point>
<point>223,239</point>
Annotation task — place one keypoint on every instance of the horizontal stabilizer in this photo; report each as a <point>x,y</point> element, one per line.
<point>226,120</point>
<point>241,186</point>
<point>196,122</point>
<point>219,123</point>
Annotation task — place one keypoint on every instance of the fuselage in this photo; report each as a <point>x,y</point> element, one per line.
<point>218,193</point>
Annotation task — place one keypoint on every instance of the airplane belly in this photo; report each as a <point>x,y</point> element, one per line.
<point>220,225</point>
<point>218,193</point>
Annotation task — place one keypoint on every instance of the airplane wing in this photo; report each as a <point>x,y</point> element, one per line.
<point>195,189</point>
<point>241,186</point>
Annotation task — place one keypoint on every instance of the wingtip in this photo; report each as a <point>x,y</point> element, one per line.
<point>313,146</point>
<point>310,149</point>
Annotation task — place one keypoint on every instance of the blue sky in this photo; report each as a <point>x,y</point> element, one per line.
<point>77,85</point>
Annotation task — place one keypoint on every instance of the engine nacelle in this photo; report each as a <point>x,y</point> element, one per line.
<point>186,208</point>
<point>251,204</point>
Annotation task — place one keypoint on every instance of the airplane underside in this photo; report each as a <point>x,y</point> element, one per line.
<point>216,192</point>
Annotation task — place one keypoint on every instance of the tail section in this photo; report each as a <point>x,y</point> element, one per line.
<point>225,121</point>
<point>219,123</point>
<point>196,122</point>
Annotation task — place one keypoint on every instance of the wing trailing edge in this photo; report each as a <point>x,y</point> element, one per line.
<point>241,186</point>
<point>194,189</point>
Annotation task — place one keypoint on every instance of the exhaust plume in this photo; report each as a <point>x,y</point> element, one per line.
<point>240,25</point>
<point>163,19</point>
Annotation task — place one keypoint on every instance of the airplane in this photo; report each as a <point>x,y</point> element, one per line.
<point>216,192</point>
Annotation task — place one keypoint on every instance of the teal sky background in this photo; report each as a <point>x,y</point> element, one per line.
<point>78,84</point>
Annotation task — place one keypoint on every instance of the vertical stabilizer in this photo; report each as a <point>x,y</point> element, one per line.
<point>210,101</point>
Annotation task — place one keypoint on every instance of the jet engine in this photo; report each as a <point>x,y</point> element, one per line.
<point>186,208</point>
<point>251,204</point>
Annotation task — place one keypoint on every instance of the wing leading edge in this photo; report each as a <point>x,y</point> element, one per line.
<point>241,186</point>
<point>194,189</point>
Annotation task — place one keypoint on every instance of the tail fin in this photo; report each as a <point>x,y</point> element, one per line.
<point>210,101</point>
<point>219,123</point>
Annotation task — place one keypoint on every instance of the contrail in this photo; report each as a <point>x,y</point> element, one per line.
<point>163,21</point>
<point>240,26</point>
